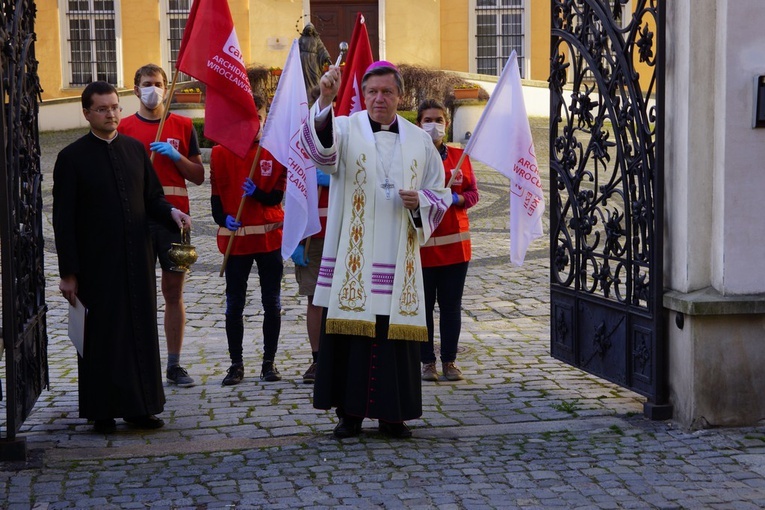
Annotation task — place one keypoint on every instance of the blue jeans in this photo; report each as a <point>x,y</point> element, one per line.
<point>270,270</point>
<point>445,285</point>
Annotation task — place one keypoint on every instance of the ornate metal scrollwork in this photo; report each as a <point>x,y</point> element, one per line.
<point>603,147</point>
<point>606,83</point>
<point>23,275</point>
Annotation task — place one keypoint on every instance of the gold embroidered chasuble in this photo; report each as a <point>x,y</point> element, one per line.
<point>371,261</point>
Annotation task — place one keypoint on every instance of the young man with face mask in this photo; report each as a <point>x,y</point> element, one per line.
<point>445,256</point>
<point>177,159</point>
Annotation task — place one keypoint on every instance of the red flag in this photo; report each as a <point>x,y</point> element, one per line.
<point>349,97</point>
<point>210,52</point>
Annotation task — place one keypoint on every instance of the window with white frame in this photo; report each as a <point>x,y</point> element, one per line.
<point>499,31</point>
<point>177,15</point>
<point>91,41</point>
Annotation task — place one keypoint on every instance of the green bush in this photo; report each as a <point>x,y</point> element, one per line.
<point>199,127</point>
<point>422,83</point>
<point>410,115</point>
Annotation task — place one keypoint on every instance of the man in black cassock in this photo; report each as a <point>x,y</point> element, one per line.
<point>104,191</point>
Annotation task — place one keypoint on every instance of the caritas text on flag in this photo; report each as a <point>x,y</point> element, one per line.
<point>210,52</point>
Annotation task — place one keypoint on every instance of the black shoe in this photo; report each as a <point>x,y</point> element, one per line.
<point>269,372</point>
<point>106,426</point>
<point>310,375</point>
<point>234,375</point>
<point>177,375</point>
<point>347,427</point>
<point>395,430</point>
<point>148,421</point>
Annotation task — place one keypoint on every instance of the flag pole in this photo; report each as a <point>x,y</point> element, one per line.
<point>165,110</point>
<point>239,212</point>
<point>343,51</point>
<point>457,170</point>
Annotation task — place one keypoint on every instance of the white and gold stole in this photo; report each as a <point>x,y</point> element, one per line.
<point>349,280</point>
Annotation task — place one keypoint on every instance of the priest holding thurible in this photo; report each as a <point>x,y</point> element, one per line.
<point>387,196</point>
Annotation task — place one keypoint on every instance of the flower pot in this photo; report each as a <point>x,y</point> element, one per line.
<point>188,97</point>
<point>471,93</point>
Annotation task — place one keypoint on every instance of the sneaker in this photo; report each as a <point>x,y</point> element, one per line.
<point>310,375</point>
<point>177,375</point>
<point>234,375</point>
<point>429,372</point>
<point>269,372</point>
<point>452,372</point>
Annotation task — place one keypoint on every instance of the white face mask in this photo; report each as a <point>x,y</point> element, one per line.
<point>152,96</point>
<point>435,130</point>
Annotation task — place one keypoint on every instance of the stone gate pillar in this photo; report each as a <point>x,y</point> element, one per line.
<point>715,204</point>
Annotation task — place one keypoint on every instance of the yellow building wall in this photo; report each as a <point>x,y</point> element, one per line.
<point>412,32</point>
<point>48,50</point>
<point>140,38</point>
<point>271,30</point>
<point>539,34</point>
<point>455,53</point>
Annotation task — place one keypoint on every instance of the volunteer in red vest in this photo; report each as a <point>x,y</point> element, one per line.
<point>257,239</point>
<point>446,255</point>
<point>177,159</point>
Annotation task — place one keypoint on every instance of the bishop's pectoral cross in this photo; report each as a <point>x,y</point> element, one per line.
<point>387,186</point>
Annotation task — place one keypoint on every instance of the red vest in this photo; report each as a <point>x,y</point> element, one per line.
<point>323,208</point>
<point>177,131</point>
<point>450,243</point>
<point>261,229</point>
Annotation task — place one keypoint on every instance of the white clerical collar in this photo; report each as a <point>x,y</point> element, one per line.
<point>109,140</point>
<point>376,126</point>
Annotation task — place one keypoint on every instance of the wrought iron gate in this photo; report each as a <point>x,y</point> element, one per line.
<point>24,333</point>
<point>606,121</point>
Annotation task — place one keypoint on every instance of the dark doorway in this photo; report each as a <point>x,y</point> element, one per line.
<point>334,21</point>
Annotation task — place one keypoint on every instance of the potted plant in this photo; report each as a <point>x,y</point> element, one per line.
<point>190,95</point>
<point>467,91</point>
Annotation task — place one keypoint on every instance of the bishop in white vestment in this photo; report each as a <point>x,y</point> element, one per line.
<point>387,196</point>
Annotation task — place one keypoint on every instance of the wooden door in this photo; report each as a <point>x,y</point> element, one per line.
<point>334,21</point>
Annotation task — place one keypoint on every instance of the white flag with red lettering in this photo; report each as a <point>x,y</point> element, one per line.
<point>281,137</point>
<point>502,140</point>
<point>210,52</point>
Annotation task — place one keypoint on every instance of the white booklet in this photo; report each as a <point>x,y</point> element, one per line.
<point>77,315</point>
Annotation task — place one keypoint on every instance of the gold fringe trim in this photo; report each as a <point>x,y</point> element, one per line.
<point>351,327</point>
<point>411,333</point>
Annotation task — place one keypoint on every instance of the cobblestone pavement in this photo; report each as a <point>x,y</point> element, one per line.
<point>522,431</point>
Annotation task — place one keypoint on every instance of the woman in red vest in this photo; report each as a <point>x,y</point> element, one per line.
<point>257,239</point>
<point>446,255</point>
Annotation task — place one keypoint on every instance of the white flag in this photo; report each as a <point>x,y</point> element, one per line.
<point>281,137</point>
<point>502,140</point>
